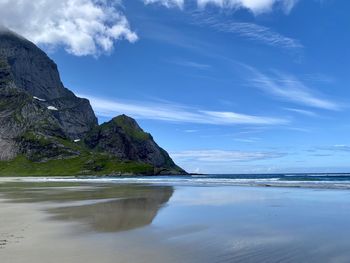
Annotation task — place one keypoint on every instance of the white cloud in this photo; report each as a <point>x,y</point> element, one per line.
<point>231,117</point>
<point>190,64</point>
<point>223,156</point>
<point>215,161</point>
<point>176,113</point>
<point>337,147</point>
<point>288,87</point>
<point>255,6</point>
<point>167,3</point>
<point>249,31</point>
<point>303,112</point>
<point>83,27</point>
<point>249,140</point>
<point>91,27</point>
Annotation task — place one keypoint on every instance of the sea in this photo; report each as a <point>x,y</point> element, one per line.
<point>303,180</point>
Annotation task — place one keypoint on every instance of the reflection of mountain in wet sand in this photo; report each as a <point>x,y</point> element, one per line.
<point>120,214</point>
<point>104,208</point>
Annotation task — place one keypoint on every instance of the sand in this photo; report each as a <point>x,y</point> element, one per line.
<point>80,222</point>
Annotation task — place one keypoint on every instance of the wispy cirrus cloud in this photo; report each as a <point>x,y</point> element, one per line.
<point>329,150</point>
<point>190,64</point>
<point>224,156</point>
<point>255,6</point>
<point>171,112</point>
<point>167,3</point>
<point>247,140</point>
<point>290,88</point>
<point>246,30</point>
<point>91,27</point>
<point>302,112</point>
<point>336,148</point>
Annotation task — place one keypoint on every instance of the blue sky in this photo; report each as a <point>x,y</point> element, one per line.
<point>235,86</point>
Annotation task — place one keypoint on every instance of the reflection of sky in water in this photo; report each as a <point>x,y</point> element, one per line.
<point>240,224</point>
<point>203,224</point>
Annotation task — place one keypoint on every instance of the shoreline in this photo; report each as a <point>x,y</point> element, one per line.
<point>189,181</point>
<point>117,223</point>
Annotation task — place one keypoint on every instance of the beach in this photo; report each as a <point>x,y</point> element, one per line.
<point>100,221</point>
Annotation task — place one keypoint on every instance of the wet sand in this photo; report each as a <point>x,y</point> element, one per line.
<point>96,222</point>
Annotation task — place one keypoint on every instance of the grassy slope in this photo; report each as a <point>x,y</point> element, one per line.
<point>83,165</point>
<point>87,163</point>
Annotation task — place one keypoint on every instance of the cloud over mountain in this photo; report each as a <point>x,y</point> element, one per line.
<point>82,27</point>
<point>92,27</point>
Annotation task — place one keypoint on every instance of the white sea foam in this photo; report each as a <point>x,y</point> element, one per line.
<point>261,182</point>
<point>319,175</point>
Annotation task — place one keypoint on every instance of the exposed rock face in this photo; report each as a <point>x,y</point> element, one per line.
<point>34,72</point>
<point>122,137</point>
<point>22,119</point>
<point>40,118</point>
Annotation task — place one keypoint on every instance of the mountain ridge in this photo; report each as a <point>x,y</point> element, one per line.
<point>43,124</point>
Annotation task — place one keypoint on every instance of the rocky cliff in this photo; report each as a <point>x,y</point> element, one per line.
<point>44,125</point>
<point>123,138</point>
<point>34,72</point>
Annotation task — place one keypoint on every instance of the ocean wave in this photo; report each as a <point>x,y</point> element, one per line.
<point>193,181</point>
<point>319,175</point>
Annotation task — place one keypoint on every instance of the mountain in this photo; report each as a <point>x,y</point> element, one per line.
<point>34,72</point>
<point>46,130</point>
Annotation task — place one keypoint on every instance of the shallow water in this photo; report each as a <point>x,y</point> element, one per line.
<point>319,181</point>
<point>132,222</point>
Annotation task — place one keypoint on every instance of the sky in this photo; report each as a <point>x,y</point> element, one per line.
<point>225,86</point>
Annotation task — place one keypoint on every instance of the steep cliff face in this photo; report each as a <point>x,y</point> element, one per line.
<point>25,121</point>
<point>34,72</point>
<point>44,125</point>
<point>8,104</point>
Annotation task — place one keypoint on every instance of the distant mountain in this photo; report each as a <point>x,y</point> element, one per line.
<point>46,130</point>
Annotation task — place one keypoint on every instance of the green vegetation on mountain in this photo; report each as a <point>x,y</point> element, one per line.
<point>45,130</point>
<point>92,164</point>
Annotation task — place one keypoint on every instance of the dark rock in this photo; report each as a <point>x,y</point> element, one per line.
<point>40,118</point>
<point>25,123</point>
<point>122,137</point>
<point>34,72</point>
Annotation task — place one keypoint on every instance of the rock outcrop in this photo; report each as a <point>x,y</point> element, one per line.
<point>123,138</point>
<point>43,121</point>
<point>34,72</point>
